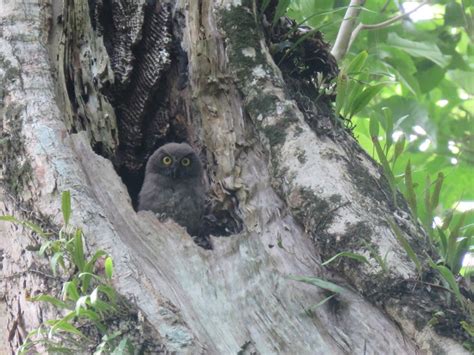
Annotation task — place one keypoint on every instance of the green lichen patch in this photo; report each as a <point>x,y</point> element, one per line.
<point>241,29</point>
<point>335,199</point>
<point>301,156</point>
<point>375,189</point>
<point>261,105</point>
<point>310,209</point>
<point>10,73</point>
<point>331,154</point>
<point>418,302</point>
<point>276,134</point>
<point>355,238</point>
<point>15,170</point>
<point>249,64</point>
<point>357,234</point>
<point>298,131</point>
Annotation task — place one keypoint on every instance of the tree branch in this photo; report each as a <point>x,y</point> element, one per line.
<point>344,35</point>
<point>348,31</point>
<point>389,22</point>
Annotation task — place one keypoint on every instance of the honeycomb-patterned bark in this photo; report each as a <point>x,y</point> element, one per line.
<point>137,36</point>
<point>139,102</point>
<point>120,22</point>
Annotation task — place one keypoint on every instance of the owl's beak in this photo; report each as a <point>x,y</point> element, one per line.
<point>174,172</point>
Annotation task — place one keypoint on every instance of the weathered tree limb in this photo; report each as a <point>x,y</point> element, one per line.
<point>341,45</point>
<point>384,24</point>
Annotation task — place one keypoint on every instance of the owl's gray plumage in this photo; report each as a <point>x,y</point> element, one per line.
<point>175,187</point>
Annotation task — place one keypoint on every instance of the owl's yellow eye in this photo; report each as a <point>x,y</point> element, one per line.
<point>167,160</point>
<point>185,161</point>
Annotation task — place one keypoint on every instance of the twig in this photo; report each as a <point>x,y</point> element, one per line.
<point>384,24</point>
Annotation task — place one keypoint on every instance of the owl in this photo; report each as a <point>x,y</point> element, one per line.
<point>174,186</point>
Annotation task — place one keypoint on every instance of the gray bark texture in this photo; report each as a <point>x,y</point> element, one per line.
<point>87,94</point>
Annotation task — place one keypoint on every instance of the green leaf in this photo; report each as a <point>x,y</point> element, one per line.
<point>386,167</point>
<point>50,299</point>
<point>87,313</point>
<point>429,77</point>
<point>428,209</point>
<point>411,194</point>
<point>447,219</point>
<point>356,65</point>
<point>44,247</point>
<point>11,219</point>
<point>264,5</point>
<point>70,291</point>
<point>66,327</point>
<point>78,251</point>
<point>404,243</point>
<point>462,249</point>
<point>55,260</point>
<point>452,241</point>
<point>375,254</point>
<point>347,254</point>
<point>374,128</point>
<point>319,304</point>
<point>352,92</point>
<point>465,79</point>
<point>280,10</point>
<point>109,267</point>
<point>35,228</point>
<point>407,79</point>
<point>428,50</point>
<point>102,306</point>
<point>109,292</point>
<point>407,112</point>
<point>437,190</point>
<point>454,15</point>
<point>468,327</point>
<point>125,347</point>
<point>66,206</point>
<point>94,296</point>
<point>82,302</point>
<point>362,100</point>
<point>88,274</point>
<point>315,281</point>
<point>90,264</point>
<point>450,280</point>
<point>388,128</point>
<point>85,278</point>
<point>341,92</point>
<point>399,148</point>
<point>443,239</point>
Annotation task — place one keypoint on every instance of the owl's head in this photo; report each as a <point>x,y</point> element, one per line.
<point>175,160</point>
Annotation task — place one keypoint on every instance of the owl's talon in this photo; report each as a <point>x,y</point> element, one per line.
<point>203,242</point>
<point>161,216</point>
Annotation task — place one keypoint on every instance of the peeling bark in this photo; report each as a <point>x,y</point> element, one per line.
<point>300,196</point>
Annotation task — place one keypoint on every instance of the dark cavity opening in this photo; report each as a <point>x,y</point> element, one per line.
<point>147,116</point>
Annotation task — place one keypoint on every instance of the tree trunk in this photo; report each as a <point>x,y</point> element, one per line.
<point>90,90</point>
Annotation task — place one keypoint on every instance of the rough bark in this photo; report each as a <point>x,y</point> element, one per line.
<point>300,197</point>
